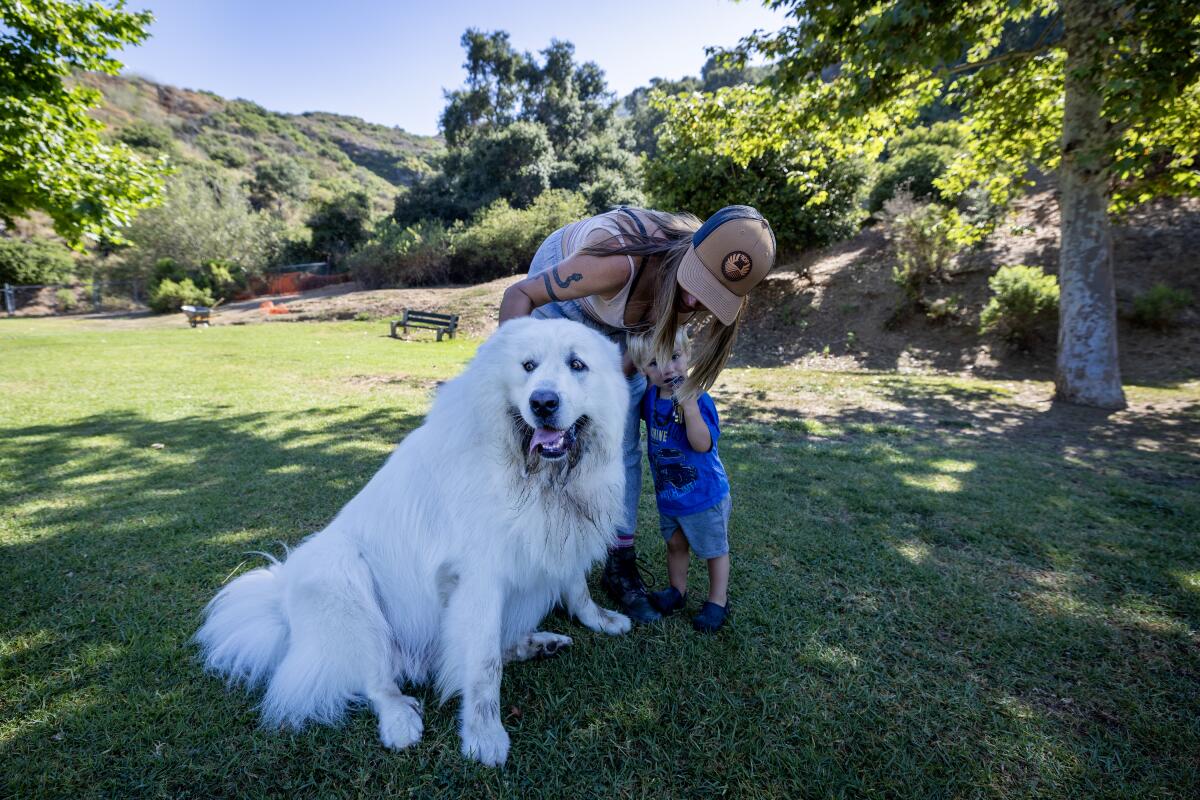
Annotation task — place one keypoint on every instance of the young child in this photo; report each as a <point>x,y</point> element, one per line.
<point>690,484</point>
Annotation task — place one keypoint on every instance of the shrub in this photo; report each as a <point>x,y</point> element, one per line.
<point>403,255</point>
<point>915,159</point>
<point>221,277</point>
<point>1024,298</point>
<point>944,309</point>
<point>166,269</point>
<point>339,226</point>
<point>66,299</point>
<point>501,240</point>
<point>34,261</point>
<point>923,236</point>
<point>1159,307</point>
<point>229,156</point>
<point>171,296</point>
<point>146,136</point>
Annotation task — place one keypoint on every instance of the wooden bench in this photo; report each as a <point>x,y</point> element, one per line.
<point>442,323</point>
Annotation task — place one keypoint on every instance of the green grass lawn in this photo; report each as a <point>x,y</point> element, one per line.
<point>941,588</point>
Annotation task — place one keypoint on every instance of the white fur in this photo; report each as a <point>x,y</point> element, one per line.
<point>444,564</point>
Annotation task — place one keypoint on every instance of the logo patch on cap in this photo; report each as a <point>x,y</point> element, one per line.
<point>736,265</point>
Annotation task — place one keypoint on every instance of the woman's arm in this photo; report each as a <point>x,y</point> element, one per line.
<point>697,429</point>
<point>578,276</point>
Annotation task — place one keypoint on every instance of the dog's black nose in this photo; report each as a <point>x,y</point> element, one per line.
<point>543,403</point>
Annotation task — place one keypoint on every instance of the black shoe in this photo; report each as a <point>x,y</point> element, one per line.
<point>624,585</point>
<point>710,618</point>
<point>668,601</point>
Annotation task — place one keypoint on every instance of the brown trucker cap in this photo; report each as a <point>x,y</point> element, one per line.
<point>730,254</point>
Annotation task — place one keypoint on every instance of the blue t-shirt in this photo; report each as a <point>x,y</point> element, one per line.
<point>685,482</point>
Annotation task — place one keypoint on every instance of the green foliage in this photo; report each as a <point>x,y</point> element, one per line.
<point>902,55</point>
<point>399,255</point>
<point>923,235</point>
<point>166,269</point>
<point>944,309</point>
<point>142,135</point>
<point>222,277</point>
<point>34,261</point>
<point>501,240</point>
<point>1160,306</point>
<point>219,277</point>
<point>520,127</point>
<point>277,181</point>
<point>1024,299</point>
<point>203,218</point>
<point>514,162</point>
<point>712,153</point>
<point>66,300</point>
<point>170,296</point>
<point>644,117</point>
<point>228,156</point>
<point>601,167</point>
<point>340,225</point>
<point>52,157</point>
<point>915,159</point>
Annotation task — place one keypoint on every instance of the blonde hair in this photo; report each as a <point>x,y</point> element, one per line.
<point>717,340</point>
<point>641,347</point>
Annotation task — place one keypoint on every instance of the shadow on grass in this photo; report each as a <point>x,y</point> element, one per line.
<point>1021,584</point>
<point>126,527</point>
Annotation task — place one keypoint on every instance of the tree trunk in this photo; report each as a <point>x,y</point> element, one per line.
<point>1087,372</point>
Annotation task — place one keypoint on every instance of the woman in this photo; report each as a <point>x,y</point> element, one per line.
<point>641,271</point>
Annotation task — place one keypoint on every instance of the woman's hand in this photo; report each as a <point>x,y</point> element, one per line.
<point>578,276</point>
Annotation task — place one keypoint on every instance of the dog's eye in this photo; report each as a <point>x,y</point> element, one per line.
<point>578,365</point>
<point>529,366</point>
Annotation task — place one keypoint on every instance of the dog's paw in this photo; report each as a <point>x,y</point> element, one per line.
<point>612,623</point>
<point>486,743</point>
<point>544,645</point>
<point>400,724</point>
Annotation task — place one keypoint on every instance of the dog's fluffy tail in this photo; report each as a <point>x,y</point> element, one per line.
<point>310,629</point>
<point>245,631</point>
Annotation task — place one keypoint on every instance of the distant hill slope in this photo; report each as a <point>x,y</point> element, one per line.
<point>340,153</point>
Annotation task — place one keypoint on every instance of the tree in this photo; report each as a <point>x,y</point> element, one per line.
<point>521,126</point>
<point>1107,93</point>
<point>202,218</point>
<point>645,117</point>
<point>276,181</point>
<point>710,153</point>
<point>514,162</point>
<point>340,225</point>
<point>51,155</point>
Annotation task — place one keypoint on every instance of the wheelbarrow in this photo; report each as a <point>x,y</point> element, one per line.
<point>199,315</point>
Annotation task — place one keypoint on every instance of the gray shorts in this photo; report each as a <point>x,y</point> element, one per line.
<point>707,531</point>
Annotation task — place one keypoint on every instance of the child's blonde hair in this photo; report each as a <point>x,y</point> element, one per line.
<point>642,349</point>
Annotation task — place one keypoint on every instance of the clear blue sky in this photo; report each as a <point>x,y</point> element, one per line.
<point>388,62</point>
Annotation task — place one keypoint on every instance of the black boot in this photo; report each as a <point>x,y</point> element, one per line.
<point>624,585</point>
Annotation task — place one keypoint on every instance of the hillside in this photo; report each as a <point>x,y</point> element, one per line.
<point>339,153</point>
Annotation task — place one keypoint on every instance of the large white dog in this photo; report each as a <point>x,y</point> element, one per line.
<point>446,562</point>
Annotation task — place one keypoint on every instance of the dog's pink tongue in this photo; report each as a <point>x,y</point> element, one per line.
<point>547,437</point>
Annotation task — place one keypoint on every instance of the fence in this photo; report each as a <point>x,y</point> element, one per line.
<point>46,299</point>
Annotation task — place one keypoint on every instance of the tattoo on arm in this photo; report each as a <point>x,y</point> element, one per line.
<point>575,276</point>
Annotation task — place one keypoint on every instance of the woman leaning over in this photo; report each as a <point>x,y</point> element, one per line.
<point>634,270</point>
